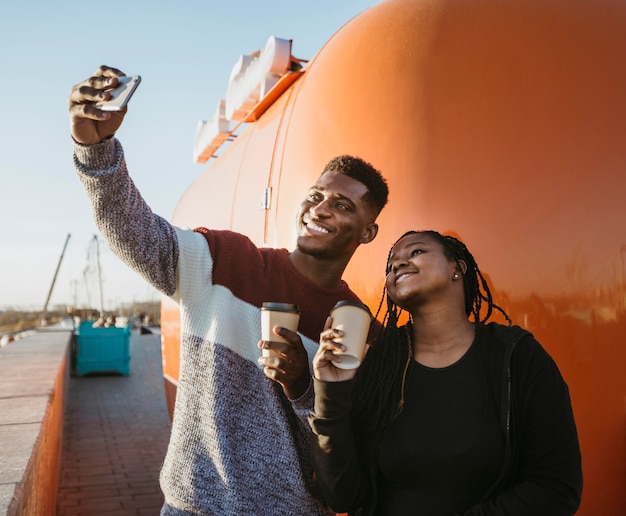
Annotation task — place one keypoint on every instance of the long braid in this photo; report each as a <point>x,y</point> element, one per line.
<point>475,285</point>
<point>381,379</point>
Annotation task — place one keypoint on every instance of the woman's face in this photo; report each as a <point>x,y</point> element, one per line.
<point>418,271</point>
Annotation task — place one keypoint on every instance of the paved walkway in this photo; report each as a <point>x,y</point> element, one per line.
<point>116,434</point>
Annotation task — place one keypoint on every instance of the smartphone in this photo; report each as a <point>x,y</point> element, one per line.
<point>121,94</point>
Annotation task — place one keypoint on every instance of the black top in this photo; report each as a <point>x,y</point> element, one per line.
<point>499,438</point>
<point>448,434</point>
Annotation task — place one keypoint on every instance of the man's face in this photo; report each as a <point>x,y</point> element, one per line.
<point>333,219</point>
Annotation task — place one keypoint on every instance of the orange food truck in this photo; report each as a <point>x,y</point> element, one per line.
<point>503,122</point>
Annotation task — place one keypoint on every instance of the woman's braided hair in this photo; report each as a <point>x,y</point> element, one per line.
<point>380,380</point>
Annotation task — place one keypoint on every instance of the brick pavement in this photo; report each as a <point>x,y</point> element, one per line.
<point>115,437</point>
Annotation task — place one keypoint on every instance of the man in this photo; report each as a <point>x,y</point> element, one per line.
<point>240,442</point>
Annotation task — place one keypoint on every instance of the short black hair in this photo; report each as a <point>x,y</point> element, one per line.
<point>363,172</point>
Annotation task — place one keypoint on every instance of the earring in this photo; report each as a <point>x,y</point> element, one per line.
<point>456,276</point>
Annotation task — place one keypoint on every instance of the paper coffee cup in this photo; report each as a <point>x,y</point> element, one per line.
<point>354,319</point>
<point>278,314</point>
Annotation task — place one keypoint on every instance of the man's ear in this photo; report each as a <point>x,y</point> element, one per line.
<point>369,233</point>
<point>462,266</point>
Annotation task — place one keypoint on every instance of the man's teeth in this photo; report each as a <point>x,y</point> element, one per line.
<point>317,228</point>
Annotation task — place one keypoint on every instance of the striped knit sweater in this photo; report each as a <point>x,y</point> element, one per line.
<point>238,445</point>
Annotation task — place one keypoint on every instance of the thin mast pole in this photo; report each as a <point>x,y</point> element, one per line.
<point>56,272</point>
<point>99,275</point>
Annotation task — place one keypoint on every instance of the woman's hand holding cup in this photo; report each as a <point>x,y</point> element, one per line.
<point>323,367</point>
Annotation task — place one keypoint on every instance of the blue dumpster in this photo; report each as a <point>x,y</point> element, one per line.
<point>102,349</point>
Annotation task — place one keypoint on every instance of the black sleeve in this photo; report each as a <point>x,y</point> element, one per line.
<point>335,458</point>
<point>548,478</point>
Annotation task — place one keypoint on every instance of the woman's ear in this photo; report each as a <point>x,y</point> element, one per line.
<point>461,267</point>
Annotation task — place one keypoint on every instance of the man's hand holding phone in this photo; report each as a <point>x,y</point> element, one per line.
<point>121,94</point>
<point>92,119</point>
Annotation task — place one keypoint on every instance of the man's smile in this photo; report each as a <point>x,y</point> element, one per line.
<point>312,227</point>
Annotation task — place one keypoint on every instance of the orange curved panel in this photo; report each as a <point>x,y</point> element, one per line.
<point>503,122</point>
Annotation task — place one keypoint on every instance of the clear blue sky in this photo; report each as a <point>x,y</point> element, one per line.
<point>186,46</point>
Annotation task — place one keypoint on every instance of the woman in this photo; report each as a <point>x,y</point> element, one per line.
<point>447,415</point>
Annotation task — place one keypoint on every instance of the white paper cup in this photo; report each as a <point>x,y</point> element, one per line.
<point>277,314</point>
<point>354,319</point>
